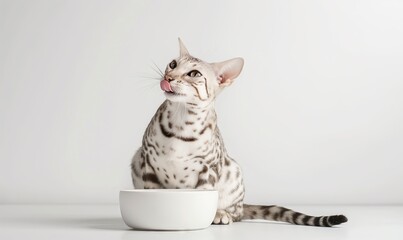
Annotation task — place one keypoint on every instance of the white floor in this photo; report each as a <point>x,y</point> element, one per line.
<point>104,222</point>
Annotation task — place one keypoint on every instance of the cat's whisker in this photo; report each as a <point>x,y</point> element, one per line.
<point>162,73</point>
<point>153,78</point>
<point>147,81</point>
<point>142,76</point>
<point>147,86</point>
<point>157,70</point>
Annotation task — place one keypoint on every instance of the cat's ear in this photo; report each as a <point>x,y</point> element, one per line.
<point>183,51</point>
<point>228,70</point>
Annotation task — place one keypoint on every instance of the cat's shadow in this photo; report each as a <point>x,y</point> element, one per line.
<point>106,223</point>
<point>100,223</point>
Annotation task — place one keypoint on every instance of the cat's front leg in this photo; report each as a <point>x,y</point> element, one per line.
<point>203,182</point>
<point>231,193</point>
<point>149,183</point>
<point>222,217</point>
<point>150,177</point>
<point>143,173</point>
<point>207,179</point>
<point>230,214</point>
<point>138,167</point>
<point>151,180</point>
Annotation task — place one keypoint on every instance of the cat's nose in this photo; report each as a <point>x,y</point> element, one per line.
<point>169,79</point>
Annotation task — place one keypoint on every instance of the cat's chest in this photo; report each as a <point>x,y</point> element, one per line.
<point>177,163</point>
<point>179,143</point>
<point>177,139</point>
<point>177,149</point>
<point>177,173</point>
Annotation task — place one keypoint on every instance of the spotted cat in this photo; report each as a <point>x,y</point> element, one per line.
<point>182,146</point>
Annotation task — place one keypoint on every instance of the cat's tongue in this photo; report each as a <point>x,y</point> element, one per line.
<point>166,86</point>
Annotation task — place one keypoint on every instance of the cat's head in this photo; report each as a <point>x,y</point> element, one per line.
<point>190,80</point>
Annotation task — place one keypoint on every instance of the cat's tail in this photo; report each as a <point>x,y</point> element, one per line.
<point>283,214</point>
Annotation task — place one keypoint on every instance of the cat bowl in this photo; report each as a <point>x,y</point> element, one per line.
<point>168,209</point>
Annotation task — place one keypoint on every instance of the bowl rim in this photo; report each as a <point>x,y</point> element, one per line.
<point>164,190</point>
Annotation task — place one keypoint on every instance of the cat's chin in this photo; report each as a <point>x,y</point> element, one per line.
<point>175,97</point>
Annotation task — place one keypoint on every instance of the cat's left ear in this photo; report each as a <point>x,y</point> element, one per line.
<point>228,70</point>
<point>182,49</point>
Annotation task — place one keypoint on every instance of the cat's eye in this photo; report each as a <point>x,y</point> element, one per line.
<point>194,73</point>
<point>172,65</point>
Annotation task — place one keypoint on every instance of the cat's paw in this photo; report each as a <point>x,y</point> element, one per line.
<point>222,217</point>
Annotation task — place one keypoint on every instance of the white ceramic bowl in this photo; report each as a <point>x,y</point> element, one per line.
<point>168,209</point>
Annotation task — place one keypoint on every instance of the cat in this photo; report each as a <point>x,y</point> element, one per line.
<point>182,146</point>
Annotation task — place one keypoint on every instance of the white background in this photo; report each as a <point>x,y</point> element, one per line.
<point>315,117</point>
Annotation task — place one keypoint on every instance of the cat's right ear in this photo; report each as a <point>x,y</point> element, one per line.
<point>228,70</point>
<point>183,51</point>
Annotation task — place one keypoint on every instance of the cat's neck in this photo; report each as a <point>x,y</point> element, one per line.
<point>189,113</point>
<point>190,106</point>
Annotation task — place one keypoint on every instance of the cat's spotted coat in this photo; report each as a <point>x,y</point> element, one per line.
<point>183,148</point>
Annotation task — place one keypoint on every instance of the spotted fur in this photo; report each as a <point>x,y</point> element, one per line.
<point>182,146</point>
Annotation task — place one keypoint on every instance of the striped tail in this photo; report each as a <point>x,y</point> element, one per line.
<point>282,214</point>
